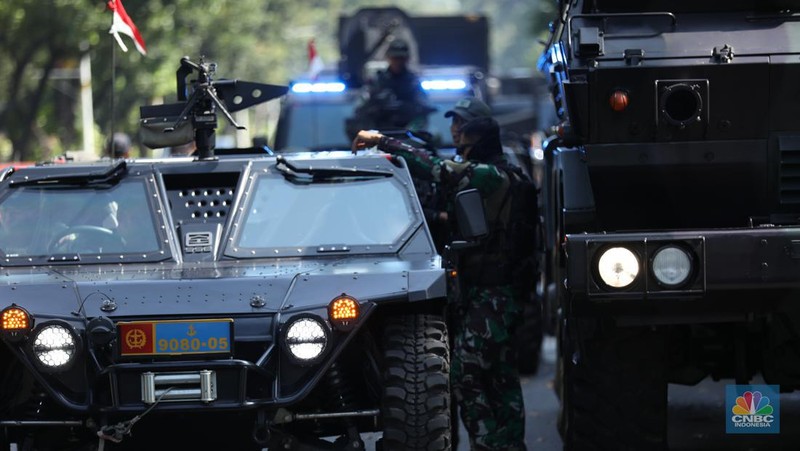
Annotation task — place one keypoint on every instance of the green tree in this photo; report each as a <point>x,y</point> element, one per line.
<point>244,37</point>
<point>255,40</point>
<point>35,40</point>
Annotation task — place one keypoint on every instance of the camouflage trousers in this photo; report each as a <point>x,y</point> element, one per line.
<point>484,374</point>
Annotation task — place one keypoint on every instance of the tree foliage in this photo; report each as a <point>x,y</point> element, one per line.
<point>257,40</point>
<point>35,41</point>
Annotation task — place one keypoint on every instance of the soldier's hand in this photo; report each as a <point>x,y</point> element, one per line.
<point>365,139</point>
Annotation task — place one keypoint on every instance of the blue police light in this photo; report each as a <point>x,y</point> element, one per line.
<point>454,84</point>
<point>558,53</point>
<point>318,87</point>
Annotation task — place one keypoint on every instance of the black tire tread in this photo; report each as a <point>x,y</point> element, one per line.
<point>416,397</point>
<point>617,393</point>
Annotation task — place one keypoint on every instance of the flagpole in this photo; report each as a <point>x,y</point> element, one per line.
<point>110,138</point>
<point>120,23</point>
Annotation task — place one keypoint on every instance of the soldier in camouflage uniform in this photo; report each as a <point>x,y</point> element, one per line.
<point>394,99</point>
<point>484,371</point>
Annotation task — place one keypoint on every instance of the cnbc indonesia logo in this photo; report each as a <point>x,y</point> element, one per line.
<point>753,409</point>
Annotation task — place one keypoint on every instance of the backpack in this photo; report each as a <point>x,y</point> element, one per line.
<point>520,228</point>
<point>509,254</point>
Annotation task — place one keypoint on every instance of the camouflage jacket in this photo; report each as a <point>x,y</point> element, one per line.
<point>491,181</point>
<point>404,85</point>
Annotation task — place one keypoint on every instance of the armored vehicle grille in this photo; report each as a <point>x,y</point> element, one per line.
<point>201,197</point>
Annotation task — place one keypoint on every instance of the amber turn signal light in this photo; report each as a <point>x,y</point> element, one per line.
<point>15,323</point>
<point>15,319</point>
<point>343,312</point>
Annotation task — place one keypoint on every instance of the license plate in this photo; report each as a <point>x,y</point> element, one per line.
<point>144,338</point>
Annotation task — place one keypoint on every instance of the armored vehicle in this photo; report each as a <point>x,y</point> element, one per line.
<point>673,215</point>
<point>314,113</point>
<point>290,302</point>
<point>450,55</point>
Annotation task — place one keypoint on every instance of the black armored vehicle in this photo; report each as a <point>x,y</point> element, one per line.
<point>673,206</point>
<point>292,302</point>
<point>450,55</point>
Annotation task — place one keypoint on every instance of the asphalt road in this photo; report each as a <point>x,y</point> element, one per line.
<point>696,416</point>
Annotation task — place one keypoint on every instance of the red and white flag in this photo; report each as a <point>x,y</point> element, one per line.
<point>122,23</point>
<point>315,64</point>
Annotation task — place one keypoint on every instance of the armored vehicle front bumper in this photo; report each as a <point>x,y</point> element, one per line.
<point>209,337</point>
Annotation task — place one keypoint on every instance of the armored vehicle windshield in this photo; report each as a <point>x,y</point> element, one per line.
<point>60,220</point>
<point>317,210</point>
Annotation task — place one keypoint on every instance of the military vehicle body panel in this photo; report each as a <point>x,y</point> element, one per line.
<point>678,137</point>
<point>222,254</point>
<point>728,163</point>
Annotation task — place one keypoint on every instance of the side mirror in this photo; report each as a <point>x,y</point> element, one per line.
<point>470,216</point>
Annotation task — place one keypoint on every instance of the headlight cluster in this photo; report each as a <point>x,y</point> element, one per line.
<point>306,338</point>
<point>618,267</point>
<point>54,346</point>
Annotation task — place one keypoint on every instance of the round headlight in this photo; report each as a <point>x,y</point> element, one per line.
<point>54,345</point>
<point>672,266</point>
<point>306,339</point>
<point>618,267</point>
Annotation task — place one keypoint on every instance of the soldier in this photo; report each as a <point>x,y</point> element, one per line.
<point>394,100</point>
<point>484,373</point>
<point>398,77</point>
<point>118,146</point>
<point>465,110</point>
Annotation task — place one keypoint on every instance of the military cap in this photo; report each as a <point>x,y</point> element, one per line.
<point>470,108</point>
<point>398,48</point>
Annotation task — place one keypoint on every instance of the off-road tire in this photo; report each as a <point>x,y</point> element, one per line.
<point>614,393</point>
<point>415,406</point>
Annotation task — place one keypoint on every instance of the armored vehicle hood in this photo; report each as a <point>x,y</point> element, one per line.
<point>235,288</point>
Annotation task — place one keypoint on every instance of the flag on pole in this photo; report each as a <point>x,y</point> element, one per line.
<point>315,63</point>
<point>122,23</point>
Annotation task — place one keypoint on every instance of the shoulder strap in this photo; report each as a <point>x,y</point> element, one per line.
<point>511,181</point>
<point>455,181</point>
<point>493,225</point>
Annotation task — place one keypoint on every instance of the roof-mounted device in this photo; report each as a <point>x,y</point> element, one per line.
<point>195,115</point>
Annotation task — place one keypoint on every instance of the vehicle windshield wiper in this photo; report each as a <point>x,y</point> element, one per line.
<point>316,174</point>
<point>76,176</point>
